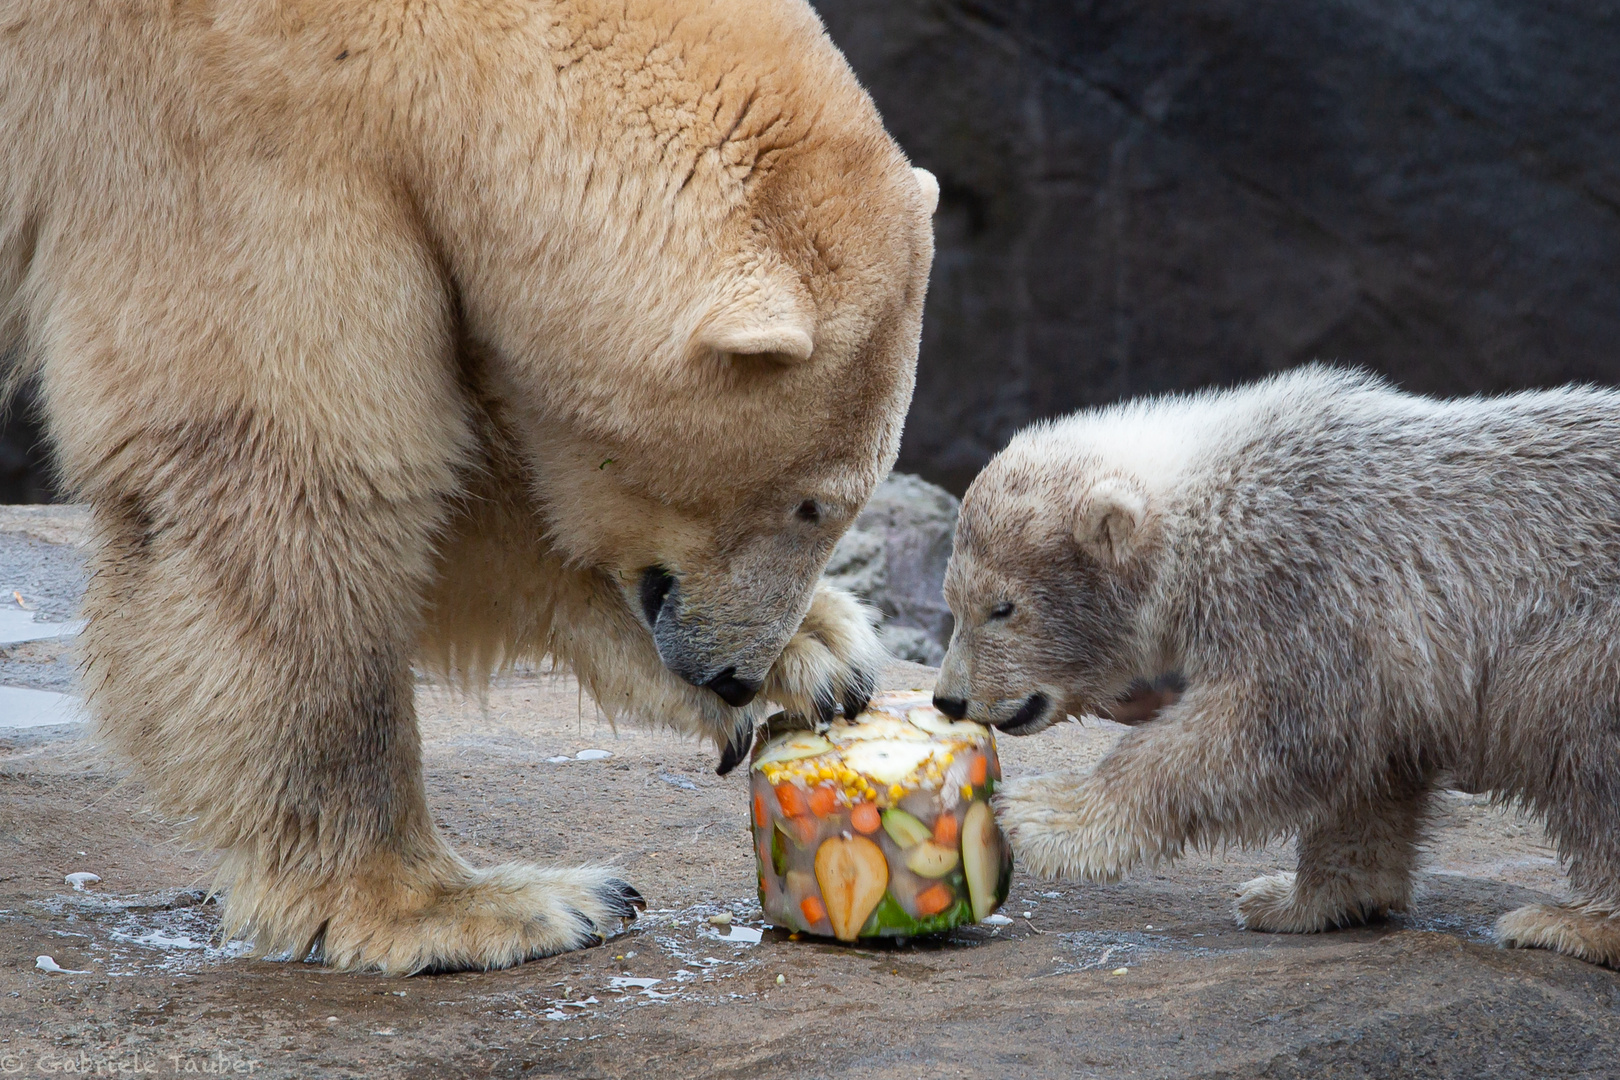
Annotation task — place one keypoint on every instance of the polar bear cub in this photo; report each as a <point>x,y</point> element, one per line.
<point>1366,595</point>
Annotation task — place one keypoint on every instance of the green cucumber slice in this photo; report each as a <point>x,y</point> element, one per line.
<point>904,829</point>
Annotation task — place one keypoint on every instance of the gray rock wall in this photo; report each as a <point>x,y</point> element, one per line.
<point>1147,195</point>
<point>1144,196</point>
<point>894,556</point>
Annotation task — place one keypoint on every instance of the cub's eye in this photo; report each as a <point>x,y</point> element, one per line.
<point>809,511</point>
<point>1001,611</point>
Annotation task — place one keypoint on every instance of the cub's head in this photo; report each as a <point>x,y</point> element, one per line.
<point>711,344</point>
<point>1053,561</point>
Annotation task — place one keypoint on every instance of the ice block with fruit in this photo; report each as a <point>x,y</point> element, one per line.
<point>879,826</point>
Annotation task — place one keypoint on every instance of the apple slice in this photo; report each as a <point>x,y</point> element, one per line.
<point>904,829</point>
<point>794,747</point>
<point>929,859</point>
<point>981,858</point>
<point>934,722</point>
<point>853,876</point>
<point>888,761</point>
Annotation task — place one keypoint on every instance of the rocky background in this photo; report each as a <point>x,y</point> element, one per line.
<point>1146,196</point>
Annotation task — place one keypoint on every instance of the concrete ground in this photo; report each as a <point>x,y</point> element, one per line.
<point>1424,995</point>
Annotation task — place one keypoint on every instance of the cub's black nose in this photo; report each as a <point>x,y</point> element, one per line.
<point>732,690</point>
<point>953,707</point>
<point>655,585</point>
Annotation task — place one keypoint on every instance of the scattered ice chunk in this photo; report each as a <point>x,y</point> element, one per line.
<point>593,755</point>
<point>996,920</point>
<point>80,879</point>
<point>51,967</point>
<point>677,781</point>
<point>558,760</point>
<point>624,982</point>
<point>722,919</point>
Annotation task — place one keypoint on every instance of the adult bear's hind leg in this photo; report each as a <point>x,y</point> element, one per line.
<point>250,625</point>
<point>1355,865</point>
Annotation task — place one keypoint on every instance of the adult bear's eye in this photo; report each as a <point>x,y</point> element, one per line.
<point>1001,611</point>
<point>809,511</point>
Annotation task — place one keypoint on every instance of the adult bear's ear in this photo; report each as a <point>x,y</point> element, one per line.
<point>930,188</point>
<point>760,313</point>
<point>1108,520</point>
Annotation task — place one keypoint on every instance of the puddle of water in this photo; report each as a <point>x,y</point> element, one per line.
<point>18,626</point>
<point>150,935</point>
<point>20,708</point>
<point>733,934</point>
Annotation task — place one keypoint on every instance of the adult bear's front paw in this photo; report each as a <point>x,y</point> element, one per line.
<point>834,659</point>
<point>1060,826</point>
<point>468,919</point>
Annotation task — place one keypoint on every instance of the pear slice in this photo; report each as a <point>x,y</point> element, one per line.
<point>931,860</point>
<point>853,876</point>
<point>800,744</point>
<point>981,858</point>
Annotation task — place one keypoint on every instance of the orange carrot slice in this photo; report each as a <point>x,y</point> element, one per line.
<point>865,818</point>
<point>934,899</point>
<point>804,828</point>
<point>762,817</point>
<point>814,910</point>
<point>823,801</point>
<point>945,830</point>
<point>979,771</point>
<point>791,799</point>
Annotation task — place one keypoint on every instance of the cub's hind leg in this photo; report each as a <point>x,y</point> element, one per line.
<point>1355,865</point>
<point>1585,820</point>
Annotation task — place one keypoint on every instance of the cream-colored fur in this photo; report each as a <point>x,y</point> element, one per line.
<point>472,332</point>
<point>1361,595</point>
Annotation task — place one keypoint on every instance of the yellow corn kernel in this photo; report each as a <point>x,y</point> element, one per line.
<point>967,791</point>
<point>896,792</point>
<point>949,758</point>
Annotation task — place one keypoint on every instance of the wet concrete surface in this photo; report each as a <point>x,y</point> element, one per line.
<point>1424,995</point>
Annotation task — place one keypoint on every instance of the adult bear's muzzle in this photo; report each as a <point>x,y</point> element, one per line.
<point>690,647</point>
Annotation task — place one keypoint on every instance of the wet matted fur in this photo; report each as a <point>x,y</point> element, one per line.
<point>1365,595</point>
<point>471,332</point>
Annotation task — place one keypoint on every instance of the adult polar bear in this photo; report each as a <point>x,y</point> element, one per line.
<point>376,329</point>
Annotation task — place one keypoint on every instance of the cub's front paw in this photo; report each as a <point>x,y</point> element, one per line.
<point>1268,904</point>
<point>1279,904</point>
<point>834,659</point>
<point>1060,826</point>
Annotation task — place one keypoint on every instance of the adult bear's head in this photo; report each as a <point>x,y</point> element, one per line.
<point>696,264</point>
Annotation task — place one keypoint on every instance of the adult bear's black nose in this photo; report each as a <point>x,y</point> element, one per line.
<point>655,585</point>
<point>953,707</point>
<point>732,690</point>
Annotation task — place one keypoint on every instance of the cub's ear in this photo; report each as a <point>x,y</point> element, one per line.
<point>762,313</point>
<point>1108,518</point>
<point>930,188</point>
